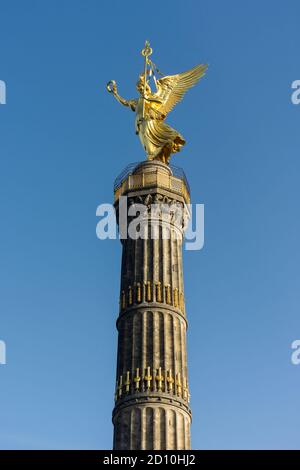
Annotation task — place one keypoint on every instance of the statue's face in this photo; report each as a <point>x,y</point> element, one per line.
<point>141,89</point>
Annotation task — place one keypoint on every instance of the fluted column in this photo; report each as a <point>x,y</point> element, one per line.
<point>152,396</point>
<point>152,427</point>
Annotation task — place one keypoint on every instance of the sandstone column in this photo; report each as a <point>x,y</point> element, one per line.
<point>152,396</point>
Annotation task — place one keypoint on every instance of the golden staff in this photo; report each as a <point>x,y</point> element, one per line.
<point>145,52</point>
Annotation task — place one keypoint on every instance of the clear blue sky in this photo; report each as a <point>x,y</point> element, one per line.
<point>63,140</point>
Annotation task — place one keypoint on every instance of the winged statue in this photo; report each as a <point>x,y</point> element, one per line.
<point>152,107</point>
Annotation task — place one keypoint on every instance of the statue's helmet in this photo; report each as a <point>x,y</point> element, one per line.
<point>140,85</point>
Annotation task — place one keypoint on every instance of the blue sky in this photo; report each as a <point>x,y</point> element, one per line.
<point>63,140</point>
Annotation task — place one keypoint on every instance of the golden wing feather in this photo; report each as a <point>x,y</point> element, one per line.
<point>171,89</point>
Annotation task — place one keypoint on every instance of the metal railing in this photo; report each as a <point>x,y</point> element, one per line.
<point>129,169</point>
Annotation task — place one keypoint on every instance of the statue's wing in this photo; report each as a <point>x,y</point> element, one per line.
<point>170,89</point>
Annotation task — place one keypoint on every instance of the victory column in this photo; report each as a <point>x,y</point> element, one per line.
<point>152,409</point>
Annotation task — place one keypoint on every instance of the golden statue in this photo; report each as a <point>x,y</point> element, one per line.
<point>158,138</point>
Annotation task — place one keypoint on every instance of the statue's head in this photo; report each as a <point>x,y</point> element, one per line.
<point>141,88</point>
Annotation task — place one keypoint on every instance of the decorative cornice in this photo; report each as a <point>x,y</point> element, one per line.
<point>150,399</point>
<point>154,306</point>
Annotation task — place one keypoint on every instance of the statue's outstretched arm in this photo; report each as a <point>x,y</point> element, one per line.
<point>112,88</point>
